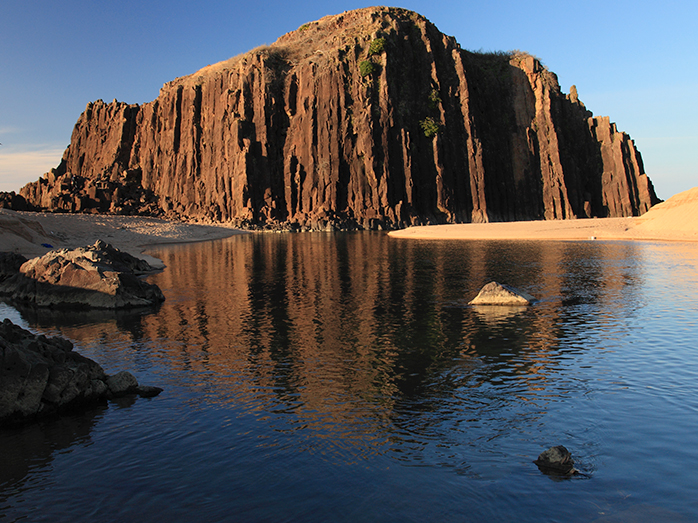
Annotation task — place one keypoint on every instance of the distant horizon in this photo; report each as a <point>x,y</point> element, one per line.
<point>631,66</point>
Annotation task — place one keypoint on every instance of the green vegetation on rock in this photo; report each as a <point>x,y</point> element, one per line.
<point>367,68</point>
<point>430,127</point>
<point>376,46</point>
<point>434,99</point>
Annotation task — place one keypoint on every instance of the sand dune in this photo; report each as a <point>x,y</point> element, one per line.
<point>673,220</point>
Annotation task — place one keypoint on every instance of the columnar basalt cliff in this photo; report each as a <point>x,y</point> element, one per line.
<point>367,119</point>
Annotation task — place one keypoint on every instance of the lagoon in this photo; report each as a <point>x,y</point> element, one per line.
<point>342,377</point>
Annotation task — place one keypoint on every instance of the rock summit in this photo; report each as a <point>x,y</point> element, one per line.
<point>370,119</point>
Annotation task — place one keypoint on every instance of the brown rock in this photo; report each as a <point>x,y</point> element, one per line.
<point>324,130</point>
<point>497,294</point>
<point>97,276</point>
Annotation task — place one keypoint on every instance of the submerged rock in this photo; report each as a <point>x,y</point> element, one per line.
<point>498,294</point>
<point>556,460</point>
<point>41,377</point>
<point>97,276</point>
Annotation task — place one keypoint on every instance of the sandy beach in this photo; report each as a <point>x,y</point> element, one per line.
<point>28,233</point>
<point>673,220</point>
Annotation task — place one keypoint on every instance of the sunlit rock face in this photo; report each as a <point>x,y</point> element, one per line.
<point>368,119</point>
<point>97,276</point>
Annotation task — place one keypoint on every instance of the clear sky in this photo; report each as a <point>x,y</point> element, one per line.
<point>634,61</point>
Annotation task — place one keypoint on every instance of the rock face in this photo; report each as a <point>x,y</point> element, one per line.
<point>367,119</point>
<point>98,276</point>
<point>42,376</point>
<point>497,294</point>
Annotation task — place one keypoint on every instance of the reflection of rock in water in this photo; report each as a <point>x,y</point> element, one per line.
<point>48,318</point>
<point>495,314</point>
<point>34,445</point>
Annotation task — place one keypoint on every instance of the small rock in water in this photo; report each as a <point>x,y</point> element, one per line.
<point>498,294</point>
<point>147,391</point>
<point>557,460</point>
<point>122,383</point>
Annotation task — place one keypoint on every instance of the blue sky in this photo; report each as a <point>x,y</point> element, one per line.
<point>631,60</point>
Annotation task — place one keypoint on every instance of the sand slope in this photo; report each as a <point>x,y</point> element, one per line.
<point>25,232</point>
<point>673,220</point>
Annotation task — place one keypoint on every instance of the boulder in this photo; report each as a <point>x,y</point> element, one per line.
<point>556,460</point>
<point>498,294</point>
<point>41,377</point>
<point>97,276</point>
<point>122,383</point>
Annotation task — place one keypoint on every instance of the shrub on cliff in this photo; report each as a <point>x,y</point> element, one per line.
<point>367,68</point>
<point>376,46</point>
<point>430,127</point>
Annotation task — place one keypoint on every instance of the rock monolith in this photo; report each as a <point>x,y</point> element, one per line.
<point>369,119</point>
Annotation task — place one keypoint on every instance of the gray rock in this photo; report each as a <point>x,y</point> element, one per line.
<point>557,460</point>
<point>42,376</point>
<point>146,391</point>
<point>98,276</point>
<point>498,294</point>
<point>10,263</point>
<point>122,383</point>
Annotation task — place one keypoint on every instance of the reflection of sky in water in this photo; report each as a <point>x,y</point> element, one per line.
<point>300,369</point>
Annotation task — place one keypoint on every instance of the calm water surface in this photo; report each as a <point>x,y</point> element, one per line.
<point>342,377</point>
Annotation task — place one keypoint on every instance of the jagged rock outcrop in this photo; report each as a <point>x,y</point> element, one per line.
<point>367,119</point>
<point>97,276</point>
<point>41,377</point>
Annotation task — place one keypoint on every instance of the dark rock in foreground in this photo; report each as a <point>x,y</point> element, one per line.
<point>498,294</point>
<point>556,460</point>
<point>98,276</point>
<point>42,377</point>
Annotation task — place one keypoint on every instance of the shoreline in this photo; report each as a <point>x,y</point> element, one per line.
<point>35,233</point>
<point>675,220</point>
<point>24,232</point>
<point>608,229</point>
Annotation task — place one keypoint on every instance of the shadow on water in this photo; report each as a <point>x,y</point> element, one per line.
<point>31,448</point>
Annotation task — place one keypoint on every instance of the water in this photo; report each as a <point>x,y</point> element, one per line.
<point>342,377</point>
